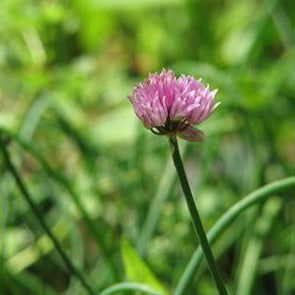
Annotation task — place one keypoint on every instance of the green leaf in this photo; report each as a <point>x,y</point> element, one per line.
<point>136,269</point>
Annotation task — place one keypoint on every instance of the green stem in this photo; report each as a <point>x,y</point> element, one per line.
<point>72,269</point>
<point>195,216</point>
<point>225,220</point>
<point>65,184</point>
<point>127,287</point>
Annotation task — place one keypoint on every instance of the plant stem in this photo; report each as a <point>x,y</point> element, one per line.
<point>71,268</point>
<point>66,185</point>
<point>225,220</point>
<point>129,286</point>
<point>195,216</point>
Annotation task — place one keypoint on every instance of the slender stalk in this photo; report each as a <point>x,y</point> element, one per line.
<point>127,287</point>
<point>25,193</point>
<point>65,184</point>
<point>225,220</point>
<point>195,216</point>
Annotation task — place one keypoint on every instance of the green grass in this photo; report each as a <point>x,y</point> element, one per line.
<point>105,186</point>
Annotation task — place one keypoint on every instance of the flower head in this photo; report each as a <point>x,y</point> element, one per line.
<point>170,105</point>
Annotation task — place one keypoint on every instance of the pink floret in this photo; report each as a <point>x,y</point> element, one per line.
<point>163,98</point>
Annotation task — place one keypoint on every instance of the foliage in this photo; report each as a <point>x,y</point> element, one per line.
<point>98,177</point>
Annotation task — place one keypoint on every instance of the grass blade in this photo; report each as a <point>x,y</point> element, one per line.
<point>25,193</point>
<point>225,220</point>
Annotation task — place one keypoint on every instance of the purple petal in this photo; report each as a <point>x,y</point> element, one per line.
<point>164,96</point>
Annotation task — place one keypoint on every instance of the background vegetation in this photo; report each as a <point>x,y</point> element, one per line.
<point>104,184</point>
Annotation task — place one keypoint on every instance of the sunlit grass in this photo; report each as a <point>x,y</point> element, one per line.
<point>101,181</point>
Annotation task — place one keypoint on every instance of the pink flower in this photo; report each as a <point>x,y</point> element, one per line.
<point>170,105</point>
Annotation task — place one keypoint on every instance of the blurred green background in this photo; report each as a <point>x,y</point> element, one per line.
<point>105,184</point>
